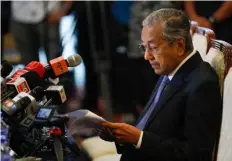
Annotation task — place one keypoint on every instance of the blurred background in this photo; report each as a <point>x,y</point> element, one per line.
<point>113,80</point>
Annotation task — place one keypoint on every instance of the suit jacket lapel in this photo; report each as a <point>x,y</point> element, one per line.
<point>167,94</point>
<point>150,99</point>
<point>176,84</point>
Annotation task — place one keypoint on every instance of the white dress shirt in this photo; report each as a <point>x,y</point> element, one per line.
<point>32,12</point>
<point>170,76</point>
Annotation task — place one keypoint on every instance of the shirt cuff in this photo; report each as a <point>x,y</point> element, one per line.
<point>140,141</point>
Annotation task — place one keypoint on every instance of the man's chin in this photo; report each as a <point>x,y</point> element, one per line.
<point>158,71</point>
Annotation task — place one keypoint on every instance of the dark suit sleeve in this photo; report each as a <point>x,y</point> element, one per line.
<point>119,147</point>
<point>201,128</point>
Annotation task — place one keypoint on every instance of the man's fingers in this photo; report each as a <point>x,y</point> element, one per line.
<point>109,125</point>
<point>115,131</point>
<point>102,123</point>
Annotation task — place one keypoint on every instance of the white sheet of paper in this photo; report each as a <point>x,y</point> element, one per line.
<point>83,123</point>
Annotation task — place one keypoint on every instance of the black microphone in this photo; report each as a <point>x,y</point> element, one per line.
<point>13,112</point>
<point>35,95</point>
<point>68,86</point>
<point>38,93</point>
<point>11,107</point>
<point>56,94</point>
<point>32,77</point>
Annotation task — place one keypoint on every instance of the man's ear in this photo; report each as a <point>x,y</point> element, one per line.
<point>180,44</point>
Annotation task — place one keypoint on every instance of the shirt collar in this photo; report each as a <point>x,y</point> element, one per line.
<point>171,75</point>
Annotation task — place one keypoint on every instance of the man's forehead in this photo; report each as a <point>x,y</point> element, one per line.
<point>151,34</point>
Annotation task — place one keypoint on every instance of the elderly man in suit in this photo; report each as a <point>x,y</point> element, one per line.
<point>182,119</point>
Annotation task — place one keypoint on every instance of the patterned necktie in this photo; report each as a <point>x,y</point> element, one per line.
<point>144,119</point>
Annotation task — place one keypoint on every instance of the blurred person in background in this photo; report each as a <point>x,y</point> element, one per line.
<point>90,52</point>
<point>181,121</point>
<point>216,15</point>
<point>35,24</point>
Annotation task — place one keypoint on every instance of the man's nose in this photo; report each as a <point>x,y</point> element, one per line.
<point>148,55</point>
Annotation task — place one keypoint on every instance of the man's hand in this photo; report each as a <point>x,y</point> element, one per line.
<point>204,22</point>
<point>123,133</point>
<point>106,134</point>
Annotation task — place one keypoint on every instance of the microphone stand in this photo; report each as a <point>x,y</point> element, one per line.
<point>48,102</point>
<point>63,141</point>
<point>58,138</point>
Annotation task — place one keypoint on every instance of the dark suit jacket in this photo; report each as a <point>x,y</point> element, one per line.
<point>186,121</point>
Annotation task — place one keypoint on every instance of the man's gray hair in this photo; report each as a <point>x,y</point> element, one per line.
<point>176,25</point>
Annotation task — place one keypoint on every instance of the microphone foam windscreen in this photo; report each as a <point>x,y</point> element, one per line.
<point>37,67</point>
<point>74,60</point>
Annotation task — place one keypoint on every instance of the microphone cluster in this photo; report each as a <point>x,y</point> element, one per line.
<point>32,94</point>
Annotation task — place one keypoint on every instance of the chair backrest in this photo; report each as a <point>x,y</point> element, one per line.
<point>228,58</point>
<point>202,40</point>
<point>216,58</point>
<point>224,152</point>
<point>193,27</point>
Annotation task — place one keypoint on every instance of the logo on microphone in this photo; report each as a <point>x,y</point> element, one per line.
<point>18,73</point>
<point>20,84</point>
<point>59,66</point>
<point>63,95</point>
<point>23,87</point>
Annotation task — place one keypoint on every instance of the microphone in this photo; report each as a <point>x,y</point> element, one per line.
<point>40,70</point>
<point>31,77</point>
<point>6,68</point>
<point>36,67</point>
<point>15,86</point>
<point>59,66</point>
<point>35,95</point>
<point>12,107</point>
<point>56,67</point>
<point>21,81</point>
<point>56,94</point>
<point>68,86</point>
<point>38,93</point>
